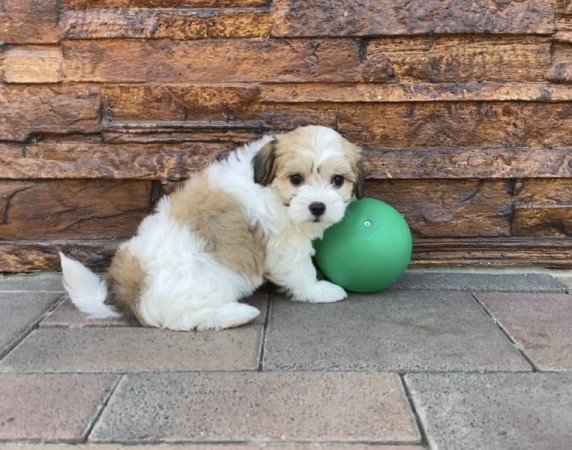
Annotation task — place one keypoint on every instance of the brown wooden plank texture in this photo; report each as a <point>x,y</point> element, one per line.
<point>542,220</point>
<point>413,92</point>
<point>174,161</point>
<point>390,17</point>
<point>513,124</point>
<point>463,108</point>
<point>547,252</point>
<point>72,209</point>
<point>32,64</point>
<point>215,61</point>
<point>29,110</point>
<point>165,24</point>
<point>29,21</point>
<point>87,4</point>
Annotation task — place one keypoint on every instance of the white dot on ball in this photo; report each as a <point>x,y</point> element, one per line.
<point>367,223</point>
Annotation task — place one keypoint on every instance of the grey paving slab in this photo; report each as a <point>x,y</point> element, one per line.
<point>397,330</point>
<point>50,407</point>
<point>566,281</point>
<point>227,406</point>
<point>43,281</point>
<point>19,312</point>
<point>123,349</point>
<point>479,281</point>
<point>494,411</point>
<point>199,446</point>
<point>540,323</point>
<point>67,315</point>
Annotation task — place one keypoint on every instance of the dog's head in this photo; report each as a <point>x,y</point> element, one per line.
<point>314,172</point>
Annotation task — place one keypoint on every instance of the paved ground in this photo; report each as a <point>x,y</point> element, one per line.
<point>471,359</point>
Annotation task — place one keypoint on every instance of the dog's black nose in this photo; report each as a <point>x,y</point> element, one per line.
<point>317,208</point>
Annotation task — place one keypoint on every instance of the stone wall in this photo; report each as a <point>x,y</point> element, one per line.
<point>463,108</point>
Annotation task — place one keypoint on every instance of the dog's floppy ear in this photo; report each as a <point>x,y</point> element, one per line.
<point>263,163</point>
<point>360,179</point>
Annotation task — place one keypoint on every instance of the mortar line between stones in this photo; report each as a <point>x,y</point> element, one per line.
<point>280,371</point>
<point>505,332</point>
<point>418,422</point>
<point>264,330</point>
<point>103,405</point>
<point>318,442</point>
<point>34,326</point>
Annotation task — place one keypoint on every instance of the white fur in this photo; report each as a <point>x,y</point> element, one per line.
<point>188,288</point>
<point>87,290</point>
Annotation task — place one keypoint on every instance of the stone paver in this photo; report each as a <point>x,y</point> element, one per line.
<point>494,411</point>
<point>328,378</point>
<point>50,407</point>
<point>566,281</point>
<point>122,349</point>
<point>67,315</point>
<point>240,406</point>
<point>479,281</point>
<point>395,330</point>
<point>19,311</point>
<point>540,323</point>
<point>198,446</point>
<point>46,281</point>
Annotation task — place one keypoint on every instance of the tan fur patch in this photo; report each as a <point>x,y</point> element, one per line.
<point>126,277</point>
<point>219,220</point>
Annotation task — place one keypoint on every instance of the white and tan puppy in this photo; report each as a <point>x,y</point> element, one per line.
<point>248,217</point>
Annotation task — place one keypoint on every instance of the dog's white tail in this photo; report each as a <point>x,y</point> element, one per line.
<point>86,290</point>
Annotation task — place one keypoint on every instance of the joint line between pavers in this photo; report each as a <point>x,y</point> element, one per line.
<point>501,327</point>
<point>264,331</point>
<point>99,411</point>
<point>257,442</point>
<point>418,422</point>
<point>34,326</point>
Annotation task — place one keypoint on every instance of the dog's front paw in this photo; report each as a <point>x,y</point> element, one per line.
<point>326,292</point>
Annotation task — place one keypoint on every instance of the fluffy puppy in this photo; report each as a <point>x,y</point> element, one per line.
<point>250,216</point>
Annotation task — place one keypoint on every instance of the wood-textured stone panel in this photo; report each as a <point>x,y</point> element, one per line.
<point>561,68</point>
<point>103,4</point>
<point>483,252</point>
<point>464,163</point>
<point>396,17</point>
<point>564,29</point>
<point>93,160</point>
<point>542,220</point>
<point>251,124</point>
<point>174,161</point>
<point>18,256</point>
<point>216,61</point>
<point>466,58</point>
<point>449,208</point>
<point>539,191</point>
<point>29,110</point>
<point>144,131</point>
<point>72,209</point>
<point>32,64</point>
<point>29,21</point>
<point>413,92</point>
<point>33,255</point>
<point>178,102</point>
<point>478,124</point>
<point>164,24</point>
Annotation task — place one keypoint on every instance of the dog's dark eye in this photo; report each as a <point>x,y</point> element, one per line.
<point>338,180</point>
<point>296,179</point>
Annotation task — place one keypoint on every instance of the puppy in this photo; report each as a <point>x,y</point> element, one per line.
<point>250,216</point>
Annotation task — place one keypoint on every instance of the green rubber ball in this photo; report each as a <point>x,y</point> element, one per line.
<point>368,250</point>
